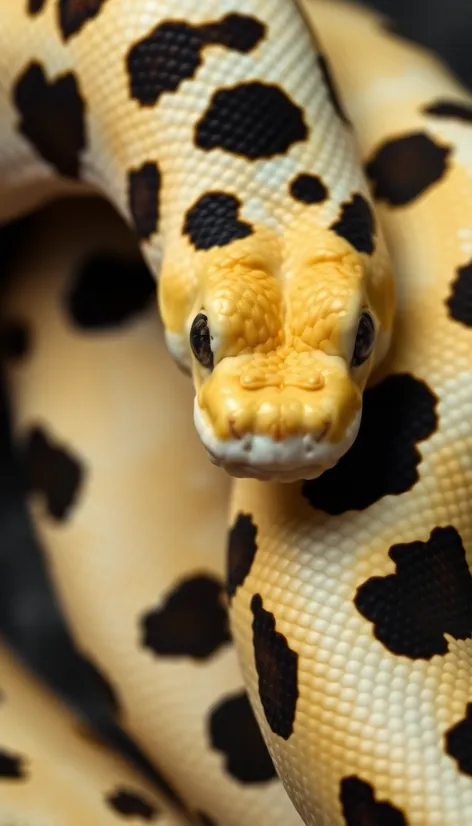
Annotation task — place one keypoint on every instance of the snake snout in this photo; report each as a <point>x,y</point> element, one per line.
<point>275,434</point>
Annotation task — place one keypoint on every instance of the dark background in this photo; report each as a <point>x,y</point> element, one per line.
<point>445,27</point>
<point>29,617</point>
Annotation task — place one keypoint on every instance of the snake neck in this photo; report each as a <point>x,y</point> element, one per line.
<point>155,110</point>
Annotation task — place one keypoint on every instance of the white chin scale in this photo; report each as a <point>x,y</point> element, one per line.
<point>259,457</point>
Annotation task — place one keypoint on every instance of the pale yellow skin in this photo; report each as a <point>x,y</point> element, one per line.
<point>69,773</point>
<point>152,509</point>
<point>256,324</point>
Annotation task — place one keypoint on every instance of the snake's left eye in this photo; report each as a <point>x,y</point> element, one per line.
<point>200,341</point>
<point>365,339</point>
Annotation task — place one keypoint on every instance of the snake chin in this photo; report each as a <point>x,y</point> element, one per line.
<point>245,471</point>
<point>257,456</point>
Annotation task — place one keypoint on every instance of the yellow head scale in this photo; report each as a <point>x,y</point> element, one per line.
<point>282,340</point>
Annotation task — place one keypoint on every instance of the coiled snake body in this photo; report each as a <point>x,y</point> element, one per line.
<point>218,134</point>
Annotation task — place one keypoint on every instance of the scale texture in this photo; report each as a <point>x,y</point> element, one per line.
<point>320,671</point>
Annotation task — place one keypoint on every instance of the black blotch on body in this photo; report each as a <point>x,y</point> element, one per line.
<point>332,88</point>
<point>11,766</point>
<point>204,820</point>
<point>398,413</point>
<point>403,168</point>
<point>130,803</point>
<point>192,621</point>
<point>15,339</point>
<point>143,198</point>
<point>455,109</point>
<point>172,52</point>
<point>35,6</point>
<point>234,731</point>
<point>309,189</point>
<point>52,117</point>
<point>108,291</point>
<point>52,470</point>
<point>459,302</point>
<point>459,742</point>
<point>254,119</point>
<point>429,595</point>
<point>242,547</point>
<point>360,808</point>
<point>213,221</point>
<point>277,670</point>
<point>12,242</point>
<point>357,224</point>
<point>73,14</point>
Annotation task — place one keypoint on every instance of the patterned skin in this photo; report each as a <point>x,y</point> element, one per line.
<point>210,131</point>
<point>219,137</point>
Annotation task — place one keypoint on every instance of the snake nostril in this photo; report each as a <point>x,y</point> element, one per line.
<point>234,430</point>
<point>323,432</point>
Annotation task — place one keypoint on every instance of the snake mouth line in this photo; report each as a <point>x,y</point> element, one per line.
<point>260,457</point>
<point>270,474</point>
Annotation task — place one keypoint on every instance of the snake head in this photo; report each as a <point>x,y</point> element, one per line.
<point>281,348</point>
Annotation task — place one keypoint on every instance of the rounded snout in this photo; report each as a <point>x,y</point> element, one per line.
<point>283,431</point>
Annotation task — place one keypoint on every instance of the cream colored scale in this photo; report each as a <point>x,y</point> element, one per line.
<point>116,400</point>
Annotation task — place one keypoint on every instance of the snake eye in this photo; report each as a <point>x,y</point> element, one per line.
<point>200,341</point>
<point>364,340</point>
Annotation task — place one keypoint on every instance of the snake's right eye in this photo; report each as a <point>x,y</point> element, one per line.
<point>200,341</point>
<point>365,340</point>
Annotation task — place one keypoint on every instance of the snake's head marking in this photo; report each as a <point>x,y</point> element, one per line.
<point>281,347</point>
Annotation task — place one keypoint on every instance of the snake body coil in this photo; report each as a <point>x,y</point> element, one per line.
<point>329,342</point>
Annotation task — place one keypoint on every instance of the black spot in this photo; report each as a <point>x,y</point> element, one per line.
<point>213,221</point>
<point>459,742</point>
<point>74,13</point>
<point>309,189</point>
<point>143,198</point>
<point>15,339</point>
<point>255,120</point>
<point>234,731</point>
<point>277,669</point>
<point>459,302</point>
<point>242,549</point>
<point>203,819</point>
<point>398,413</point>
<point>429,595</point>
<point>35,6</point>
<point>192,622</point>
<point>360,808</point>
<point>11,766</point>
<point>171,53</point>
<point>240,32</point>
<point>102,685</point>
<point>357,224</point>
<point>130,803</point>
<point>332,89</point>
<point>52,118</point>
<point>405,167</point>
<point>53,471</point>
<point>455,109</point>
<point>108,291</point>
<point>12,242</point>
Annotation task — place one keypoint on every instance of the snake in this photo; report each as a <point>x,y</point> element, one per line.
<point>266,562</point>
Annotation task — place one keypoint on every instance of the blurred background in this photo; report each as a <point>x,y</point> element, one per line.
<point>29,616</point>
<point>444,27</point>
